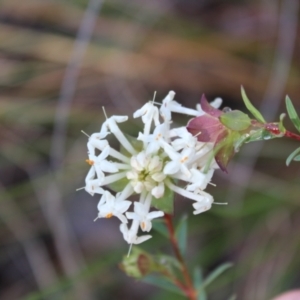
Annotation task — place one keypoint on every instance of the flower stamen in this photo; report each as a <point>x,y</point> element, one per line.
<point>90,162</point>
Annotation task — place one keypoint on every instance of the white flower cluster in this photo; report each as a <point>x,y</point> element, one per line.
<point>165,156</point>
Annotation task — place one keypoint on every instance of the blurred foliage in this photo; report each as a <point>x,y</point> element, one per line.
<point>50,246</point>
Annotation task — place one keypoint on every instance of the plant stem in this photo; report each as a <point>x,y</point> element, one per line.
<point>292,135</point>
<point>189,288</point>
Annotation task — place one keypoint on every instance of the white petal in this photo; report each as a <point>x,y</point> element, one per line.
<point>216,103</point>
<point>158,191</point>
<point>127,191</point>
<point>112,178</point>
<point>152,147</point>
<point>154,214</point>
<point>149,184</point>
<point>122,206</point>
<point>155,164</point>
<point>121,217</point>
<point>135,163</point>
<point>131,215</point>
<point>143,160</point>
<point>104,153</point>
<point>140,209</point>
<point>94,143</point>
<point>90,175</point>
<point>185,171</point>
<point>201,207</point>
<point>138,187</point>
<point>171,152</point>
<point>108,166</point>
<point>159,176</point>
<point>100,174</point>
<point>102,201</point>
<point>171,167</point>
<point>124,229</point>
<point>132,175</point>
<point>142,239</point>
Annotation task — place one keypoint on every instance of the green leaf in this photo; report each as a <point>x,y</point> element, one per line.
<point>233,297</point>
<point>224,149</point>
<point>292,113</point>
<point>235,120</point>
<point>166,203</point>
<point>258,116</point>
<point>162,283</point>
<point>297,158</point>
<point>214,274</point>
<point>181,234</point>
<point>292,156</point>
<point>167,261</point>
<point>119,185</point>
<point>280,125</point>
<point>160,227</point>
<point>198,279</point>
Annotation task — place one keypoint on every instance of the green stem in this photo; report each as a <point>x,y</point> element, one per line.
<point>189,288</point>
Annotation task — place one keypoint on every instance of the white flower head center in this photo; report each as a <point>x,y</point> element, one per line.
<point>146,172</point>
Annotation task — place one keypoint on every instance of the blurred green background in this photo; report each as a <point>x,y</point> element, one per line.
<point>62,60</point>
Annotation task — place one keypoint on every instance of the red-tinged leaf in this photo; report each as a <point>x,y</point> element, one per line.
<point>206,107</point>
<point>206,128</point>
<point>224,148</point>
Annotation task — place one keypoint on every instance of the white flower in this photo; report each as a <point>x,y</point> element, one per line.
<point>149,113</point>
<point>146,172</point>
<point>184,139</point>
<point>130,235</point>
<point>109,206</point>
<point>169,105</point>
<point>101,164</point>
<point>92,184</point>
<point>199,180</point>
<point>204,204</point>
<point>96,142</point>
<point>143,216</point>
<point>153,142</point>
<point>179,161</point>
<point>141,213</point>
<point>148,169</point>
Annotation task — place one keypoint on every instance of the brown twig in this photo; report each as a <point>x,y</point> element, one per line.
<point>189,288</point>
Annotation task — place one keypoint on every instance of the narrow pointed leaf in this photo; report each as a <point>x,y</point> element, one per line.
<point>169,262</point>
<point>297,158</point>
<point>162,283</point>
<point>292,156</point>
<point>214,274</point>
<point>280,125</point>
<point>181,234</point>
<point>258,116</point>
<point>198,279</point>
<point>159,226</point>
<point>292,113</point>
